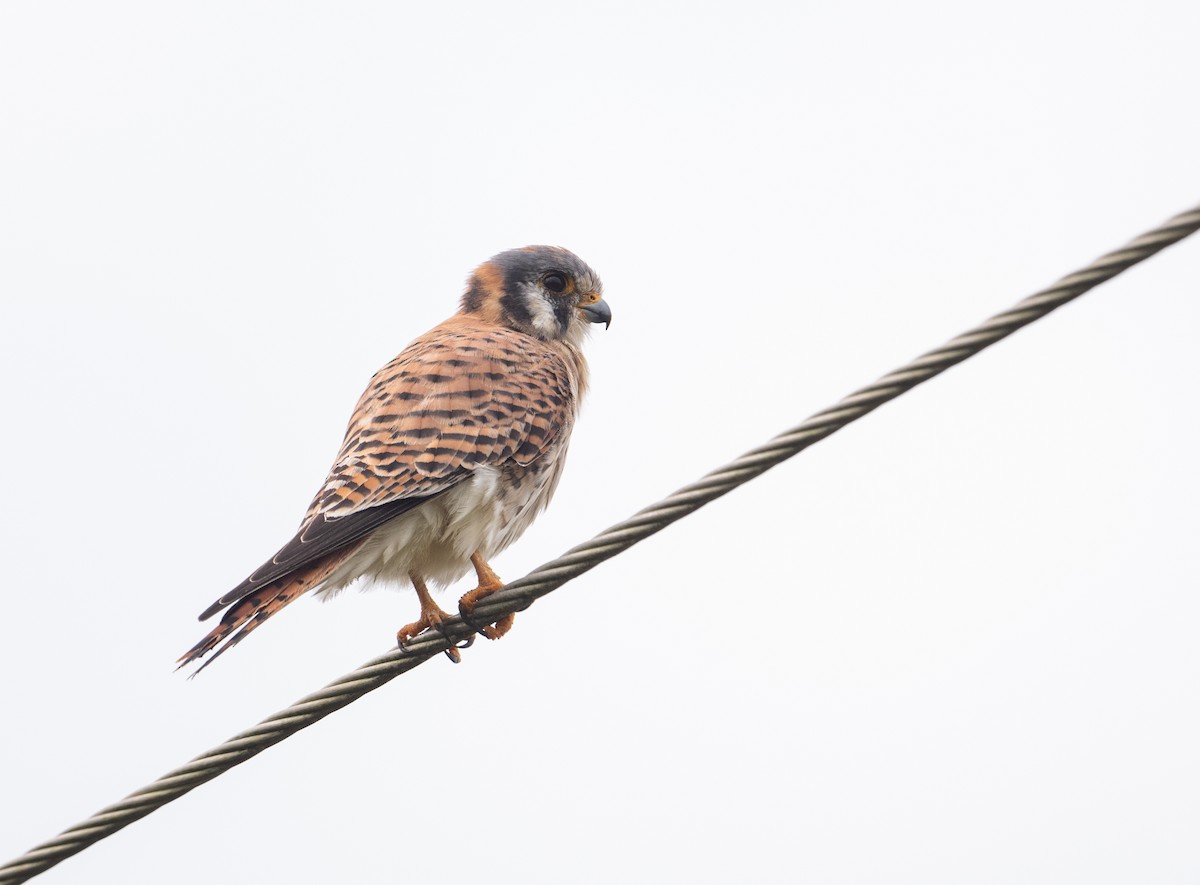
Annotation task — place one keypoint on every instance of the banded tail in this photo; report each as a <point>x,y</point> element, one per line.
<point>245,614</point>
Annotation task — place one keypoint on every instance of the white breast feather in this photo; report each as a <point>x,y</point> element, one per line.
<point>435,540</point>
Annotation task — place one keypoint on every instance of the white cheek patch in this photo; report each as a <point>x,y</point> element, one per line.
<point>541,315</point>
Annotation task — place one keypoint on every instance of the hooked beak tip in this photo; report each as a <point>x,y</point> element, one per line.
<point>597,312</point>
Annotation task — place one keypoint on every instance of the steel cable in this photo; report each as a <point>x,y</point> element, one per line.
<point>520,594</point>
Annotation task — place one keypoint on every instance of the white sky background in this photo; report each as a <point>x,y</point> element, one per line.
<point>955,642</point>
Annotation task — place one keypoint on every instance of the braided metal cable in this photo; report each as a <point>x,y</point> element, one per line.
<point>522,593</point>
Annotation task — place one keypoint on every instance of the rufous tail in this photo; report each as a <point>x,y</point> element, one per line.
<point>245,615</point>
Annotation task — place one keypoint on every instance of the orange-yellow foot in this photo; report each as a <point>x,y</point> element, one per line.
<point>489,583</point>
<point>431,619</point>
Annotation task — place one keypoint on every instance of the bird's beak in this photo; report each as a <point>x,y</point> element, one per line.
<point>595,309</point>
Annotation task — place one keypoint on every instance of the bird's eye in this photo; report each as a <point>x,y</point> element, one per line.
<point>555,282</point>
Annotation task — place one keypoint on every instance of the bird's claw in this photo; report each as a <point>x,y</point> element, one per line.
<point>491,631</point>
<point>470,622</point>
<point>451,652</point>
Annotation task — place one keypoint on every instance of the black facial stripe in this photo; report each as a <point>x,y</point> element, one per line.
<point>562,312</point>
<point>513,303</point>
<point>514,276</point>
<point>473,297</point>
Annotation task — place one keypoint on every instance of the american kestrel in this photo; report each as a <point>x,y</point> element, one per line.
<point>454,447</point>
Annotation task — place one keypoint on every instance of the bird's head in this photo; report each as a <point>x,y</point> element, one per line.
<point>543,291</point>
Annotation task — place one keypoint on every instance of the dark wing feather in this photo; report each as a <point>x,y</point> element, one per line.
<point>315,540</point>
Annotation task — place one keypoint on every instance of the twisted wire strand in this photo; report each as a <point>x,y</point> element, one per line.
<point>520,594</point>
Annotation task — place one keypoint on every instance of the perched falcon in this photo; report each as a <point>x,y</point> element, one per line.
<point>454,447</point>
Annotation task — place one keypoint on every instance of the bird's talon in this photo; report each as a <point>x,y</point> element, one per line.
<point>498,629</point>
<point>469,621</point>
<point>453,655</point>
